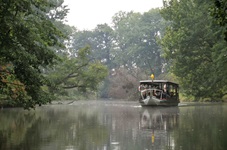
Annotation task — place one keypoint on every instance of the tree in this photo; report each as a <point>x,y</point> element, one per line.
<point>136,39</point>
<point>104,50</point>
<point>100,41</point>
<point>104,40</point>
<point>11,87</point>
<point>130,45</point>
<point>79,73</point>
<point>220,13</point>
<point>193,44</point>
<point>126,41</point>
<point>152,26</point>
<point>28,36</point>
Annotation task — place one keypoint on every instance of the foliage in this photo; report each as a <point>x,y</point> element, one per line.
<point>136,39</point>
<point>33,39</point>
<point>118,47</point>
<point>79,73</point>
<point>104,45</point>
<point>28,36</point>
<point>100,41</point>
<point>194,45</point>
<point>12,90</point>
<point>220,13</point>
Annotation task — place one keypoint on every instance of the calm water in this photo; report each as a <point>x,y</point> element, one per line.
<point>99,125</point>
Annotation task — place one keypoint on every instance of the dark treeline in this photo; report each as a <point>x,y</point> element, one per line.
<point>42,58</point>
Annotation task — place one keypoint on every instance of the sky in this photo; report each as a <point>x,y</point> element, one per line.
<point>87,14</point>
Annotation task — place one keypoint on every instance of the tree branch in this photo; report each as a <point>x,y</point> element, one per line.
<point>72,86</point>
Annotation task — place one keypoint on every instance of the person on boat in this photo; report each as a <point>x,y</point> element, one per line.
<point>142,91</point>
<point>146,100</point>
<point>165,93</point>
<point>157,92</point>
<point>141,87</point>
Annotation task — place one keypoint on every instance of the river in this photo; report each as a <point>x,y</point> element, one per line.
<point>114,125</point>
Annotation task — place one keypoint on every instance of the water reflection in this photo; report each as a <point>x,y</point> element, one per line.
<point>202,127</point>
<point>50,128</point>
<point>113,126</point>
<point>158,122</point>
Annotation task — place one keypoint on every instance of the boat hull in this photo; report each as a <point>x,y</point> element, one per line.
<point>153,101</point>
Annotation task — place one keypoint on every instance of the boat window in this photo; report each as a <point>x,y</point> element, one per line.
<point>173,89</point>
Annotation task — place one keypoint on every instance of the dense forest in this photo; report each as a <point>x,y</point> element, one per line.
<point>43,59</point>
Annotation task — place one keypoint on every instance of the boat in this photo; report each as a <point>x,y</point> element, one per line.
<point>158,93</point>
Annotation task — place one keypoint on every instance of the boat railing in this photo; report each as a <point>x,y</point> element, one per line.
<point>153,92</point>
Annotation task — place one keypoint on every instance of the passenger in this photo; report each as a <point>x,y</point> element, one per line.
<point>165,94</point>
<point>146,100</point>
<point>141,87</point>
<point>158,93</point>
<point>164,87</point>
<point>144,94</point>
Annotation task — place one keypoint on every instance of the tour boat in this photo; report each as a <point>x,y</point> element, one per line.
<point>158,93</point>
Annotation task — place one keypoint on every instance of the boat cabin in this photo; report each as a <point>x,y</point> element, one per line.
<point>161,89</point>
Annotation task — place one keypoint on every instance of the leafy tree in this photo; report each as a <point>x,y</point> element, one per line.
<point>126,40</point>
<point>104,40</point>
<point>136,39</point>
<point>193,44</point>
<point>104,50</point>
<point>80,39</point>
<point>79,73</point>
<point>28,36</point>
<point>152,26</point>
<point>11,87</point>
<point>100,41</point>
<point>220,13</point>
<point>131,43</point>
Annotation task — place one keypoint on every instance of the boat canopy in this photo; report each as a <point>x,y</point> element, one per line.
<point>157,82</point>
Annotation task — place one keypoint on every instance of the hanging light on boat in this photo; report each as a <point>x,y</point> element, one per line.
<point>152,76</point>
